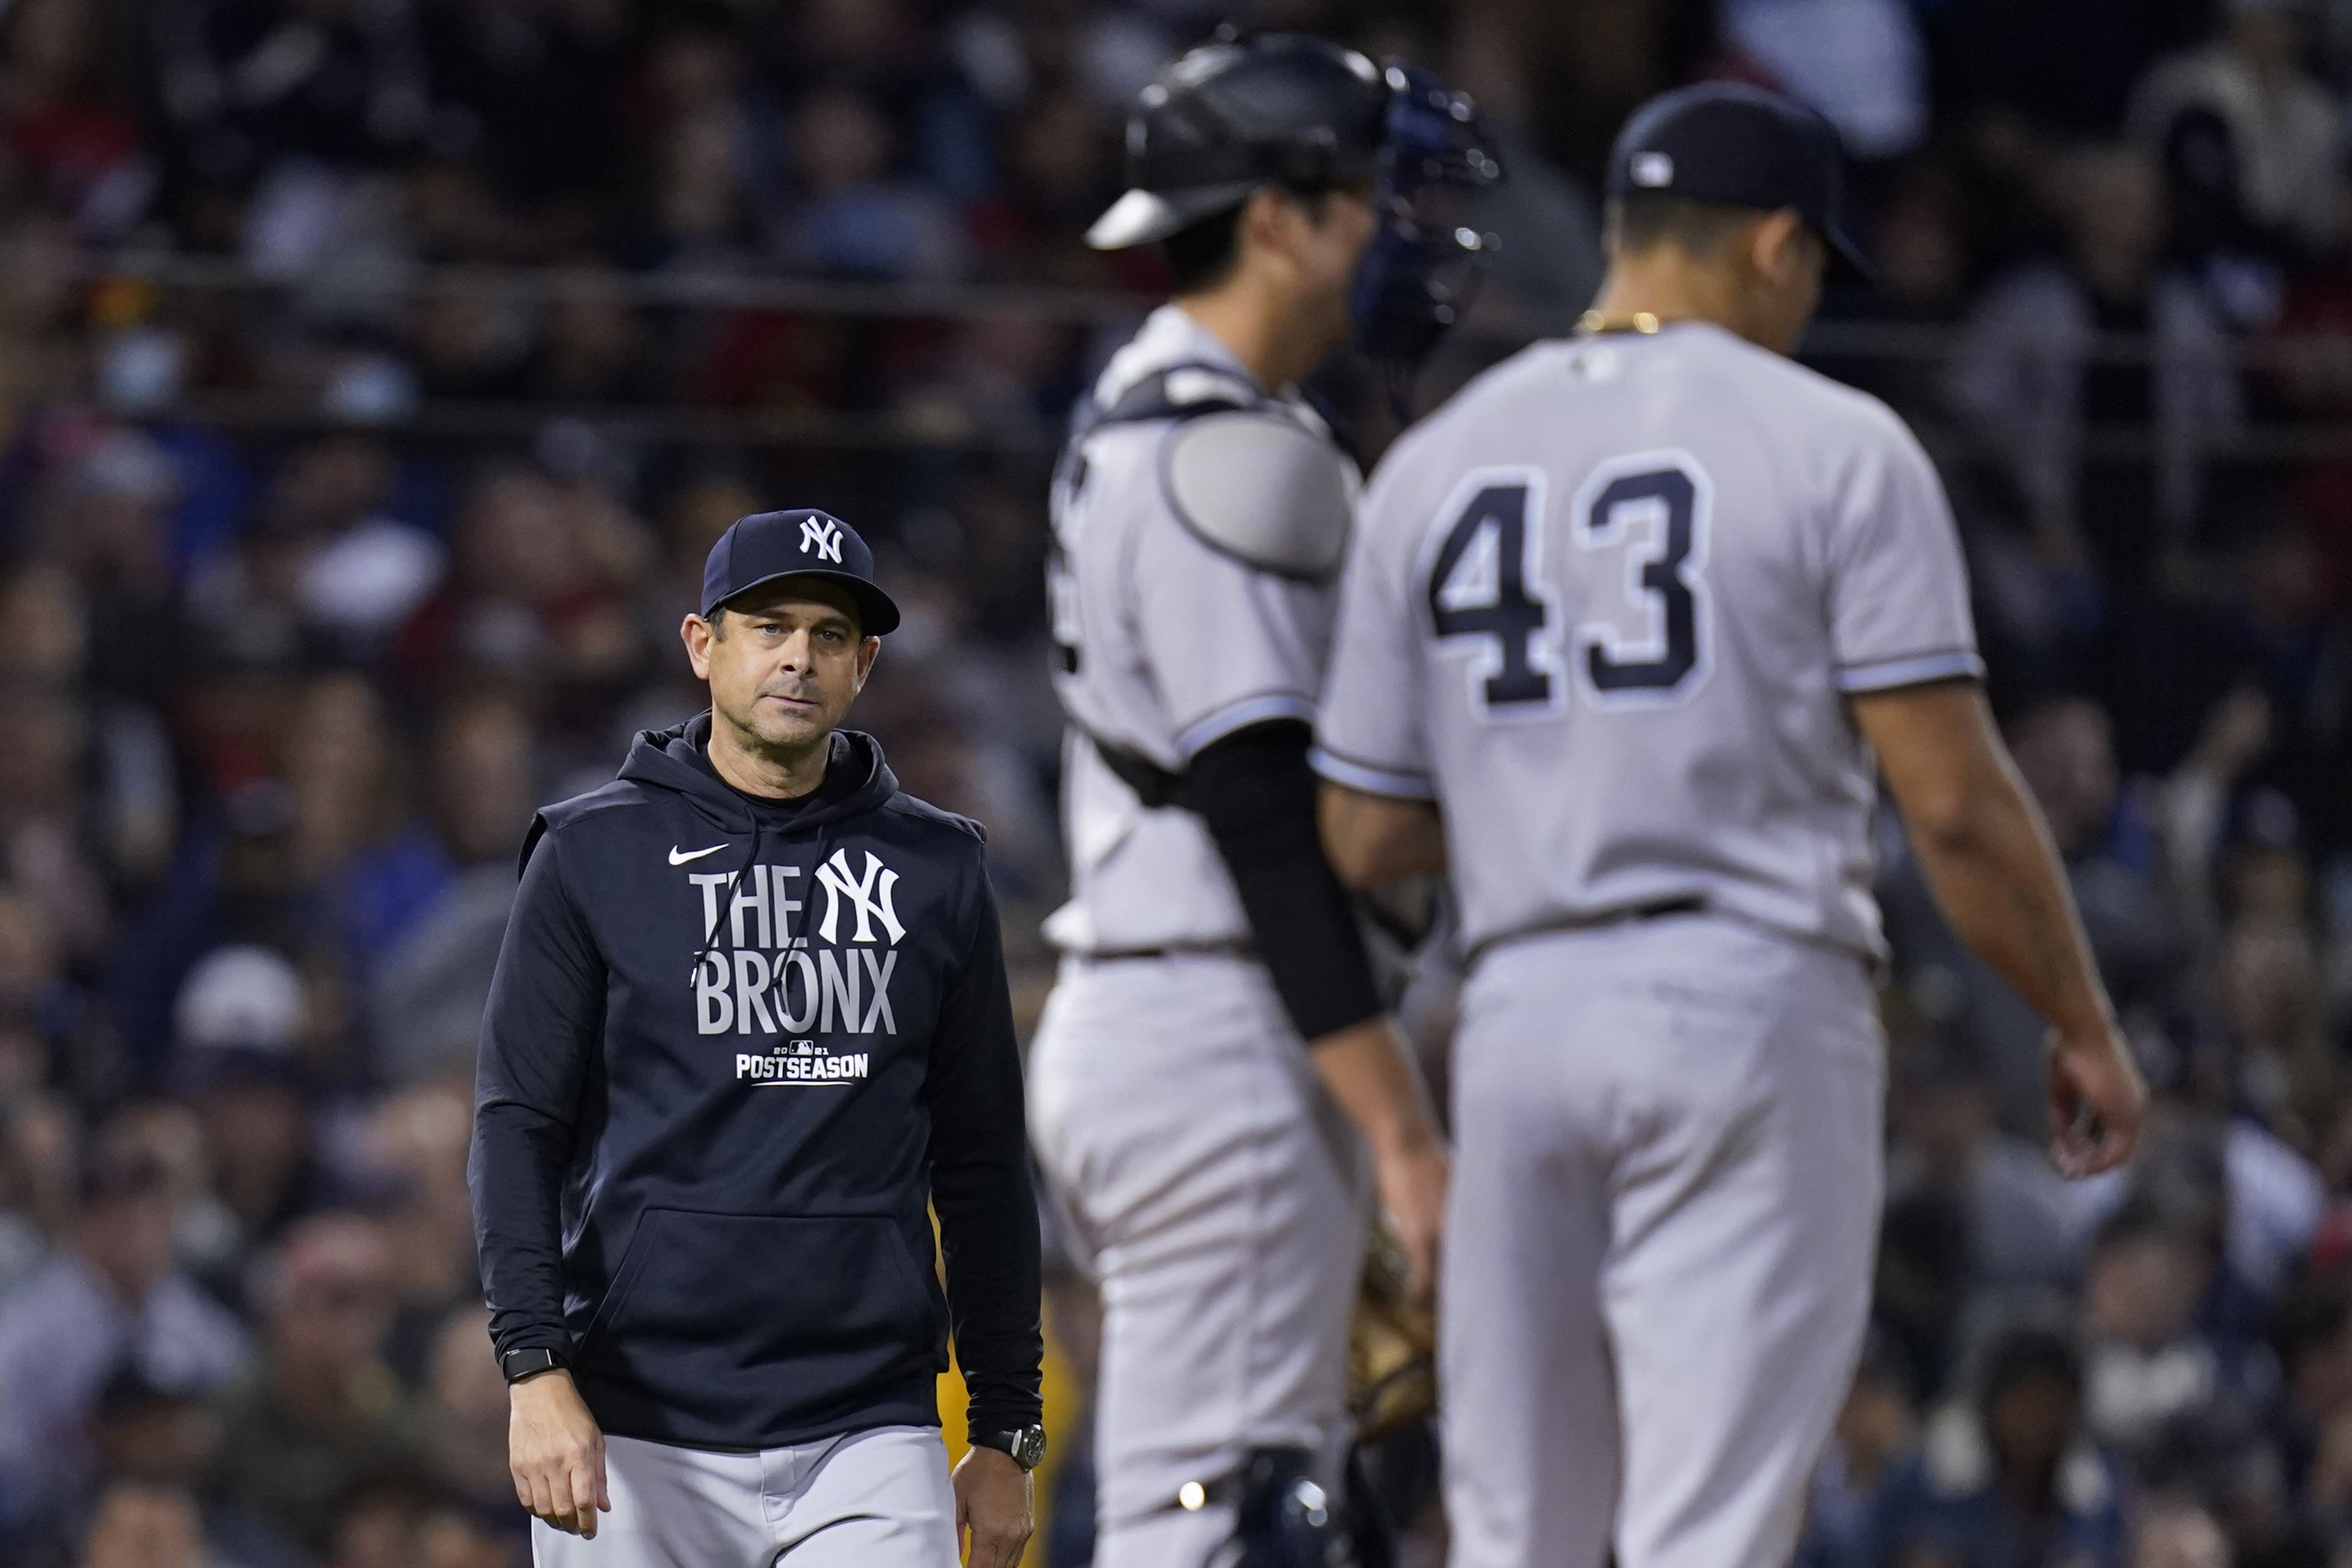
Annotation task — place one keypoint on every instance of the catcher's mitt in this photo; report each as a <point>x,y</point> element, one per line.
<point>1391,1346</point>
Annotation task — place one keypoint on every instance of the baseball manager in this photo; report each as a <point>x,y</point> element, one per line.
<point>750,1019</point>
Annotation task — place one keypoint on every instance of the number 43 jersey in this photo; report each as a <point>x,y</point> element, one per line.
<point>1605,608</point>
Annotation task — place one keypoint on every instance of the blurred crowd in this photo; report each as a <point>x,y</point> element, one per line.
<point>376,373</point>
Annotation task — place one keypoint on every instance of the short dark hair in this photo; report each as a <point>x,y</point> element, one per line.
<point>1203,254</point>
<point>1643,220</point>
<point>2029,1353</point>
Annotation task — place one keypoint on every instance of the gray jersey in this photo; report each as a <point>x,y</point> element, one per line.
<point>1193,588</point>
<point>1604,608</point>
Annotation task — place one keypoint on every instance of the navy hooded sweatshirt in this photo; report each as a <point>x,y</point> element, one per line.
<point>732,1049</point>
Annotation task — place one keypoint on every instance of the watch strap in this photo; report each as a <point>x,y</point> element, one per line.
<point>530,1362</point>
<point>1024,1446</point>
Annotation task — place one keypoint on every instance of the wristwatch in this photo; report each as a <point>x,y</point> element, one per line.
<point>518,1365</point>
<point>1026,1446</point>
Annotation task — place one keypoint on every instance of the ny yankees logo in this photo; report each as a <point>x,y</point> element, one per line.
<point>822,535</point>
<point>870,894</point>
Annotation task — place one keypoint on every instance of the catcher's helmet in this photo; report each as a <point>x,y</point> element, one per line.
<point>1232,115</point>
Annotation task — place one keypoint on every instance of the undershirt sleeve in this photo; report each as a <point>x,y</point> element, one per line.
<point>1257,794</point>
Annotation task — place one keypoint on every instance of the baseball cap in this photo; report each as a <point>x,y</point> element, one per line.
<point>1739,146</point>
<point>804,542</point>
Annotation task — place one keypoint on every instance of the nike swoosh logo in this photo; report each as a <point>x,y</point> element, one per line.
<point>678,858</point>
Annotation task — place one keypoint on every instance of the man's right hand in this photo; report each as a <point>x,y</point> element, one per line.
<point>2097,1100</point>
<point>1365,1069</point>
<point>1412,1177</point>
<point>557,1453</point>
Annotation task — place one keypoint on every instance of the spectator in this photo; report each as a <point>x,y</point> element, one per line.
<point>2009,1479</point>
<point>1861,62</point>
<point>593,348</point>
<point>139,1525</point>
<point>73,143</point>
<point>108,1297</point>
<point>2311,1331</point>
<point>43,829</point>
<point>851,219</point>
<point>396,1519</point>
<point>542,568</point>
<point>144,1432</point>
<point>2174,1536</point>
<point>1875,1427</point>
<point>2028,1229</point>
<point>415,1151</point>
<point>103,518</point>
<point>2243,113</point>
<point>320,1410</point>
<point>2038,367</point>
<point>325,554</point>
<point>2287,1072</point>
<point>250,85</point>
<point>237,1026</point>
<point>2149,1365</point>
<point>2064,746</point>
<point>530,88</point>
<point>466,1416</point>
<point>427,996</point>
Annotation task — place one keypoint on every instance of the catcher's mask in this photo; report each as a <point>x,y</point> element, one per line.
<point>1424,264</point>
<point>1287,109</point>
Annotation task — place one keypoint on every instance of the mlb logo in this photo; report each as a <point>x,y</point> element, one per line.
<point>1652,170</point>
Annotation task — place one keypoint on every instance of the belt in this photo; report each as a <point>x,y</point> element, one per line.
<point>1656,909</point>
<point>1174,950</point>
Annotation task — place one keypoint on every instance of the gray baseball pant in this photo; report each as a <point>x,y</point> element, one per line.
<point>1220,1194</point>
<point>1658,1256</point>
<point>877,1498</point>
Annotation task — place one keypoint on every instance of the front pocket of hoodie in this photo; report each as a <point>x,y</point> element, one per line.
<point>733,1324</point>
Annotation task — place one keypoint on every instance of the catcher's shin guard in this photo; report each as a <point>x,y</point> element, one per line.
<point>1282,1517</point>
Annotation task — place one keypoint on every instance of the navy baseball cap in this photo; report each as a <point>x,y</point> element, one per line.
<point>1739,146</point>
<point>767,546</point>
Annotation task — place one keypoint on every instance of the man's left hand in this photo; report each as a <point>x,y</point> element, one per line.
<point>992,1513</point>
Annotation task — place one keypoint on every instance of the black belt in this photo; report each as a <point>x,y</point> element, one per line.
<point>1153,785</point>
<point>1657,909</point>
<point>1177,950</point>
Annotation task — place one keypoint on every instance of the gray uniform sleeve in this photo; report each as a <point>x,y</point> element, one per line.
<point>1898,589</point>
<point>1230,644</point>
<point>1369,734</point>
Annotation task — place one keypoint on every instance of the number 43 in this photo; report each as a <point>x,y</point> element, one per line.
<point>1484,581</point>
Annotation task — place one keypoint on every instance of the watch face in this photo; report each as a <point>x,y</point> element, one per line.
<point>1029,1446</point>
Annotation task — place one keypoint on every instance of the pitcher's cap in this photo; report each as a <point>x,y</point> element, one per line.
<point>803,542</point>
<point>1740,146</point>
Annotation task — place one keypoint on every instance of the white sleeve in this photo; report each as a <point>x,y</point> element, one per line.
<point>1369,734</point>
<point>1898,588</point>
<point>1229,644</point>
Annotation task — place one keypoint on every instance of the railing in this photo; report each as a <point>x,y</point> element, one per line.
<point>1846,341</point>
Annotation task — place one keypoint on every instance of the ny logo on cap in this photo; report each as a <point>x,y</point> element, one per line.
<point>1652,170</point>
<point>822,535</point>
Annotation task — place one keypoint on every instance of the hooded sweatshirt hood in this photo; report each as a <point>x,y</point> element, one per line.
<point>677,759</point>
